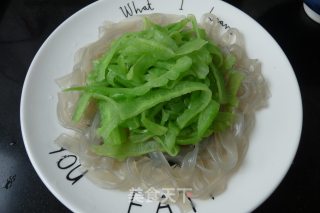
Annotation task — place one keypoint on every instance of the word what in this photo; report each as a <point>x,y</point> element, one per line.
<point>132,9</point>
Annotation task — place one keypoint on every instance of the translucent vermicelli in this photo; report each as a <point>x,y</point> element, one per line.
<point>204,167</point>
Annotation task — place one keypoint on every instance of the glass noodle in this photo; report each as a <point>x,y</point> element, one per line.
<point>204,167</point>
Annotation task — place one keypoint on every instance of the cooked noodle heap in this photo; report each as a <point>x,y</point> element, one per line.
<point>204,167</point>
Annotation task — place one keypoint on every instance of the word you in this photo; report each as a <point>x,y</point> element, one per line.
<point>69,163</point>
<point>132,9</point>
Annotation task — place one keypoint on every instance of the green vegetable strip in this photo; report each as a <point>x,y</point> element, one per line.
<point>140,137</point>
<point>160,89</point>
<point>140,67</point>
<point>197,104</point>
<point>109,117</point>
<point>195,26</point>
<point>234,83</point>
<point>201,60</point>
<point>117,136</point>
<point>229,62</point>
<point>154,48</point>
<point>188,141</point>
<point>152,127</point>
<point>223,121</point>
<point>125,150</point>
<point>222,93</point>
<point>207,116</point>
<point>216,54</point>
<point>191,46</point>
<point>163,37</point>
<point>177,27</point>
<point>164,117</point>
<point>104,62</point>
<point>131,124</point>
<point>81,107</point>
<point>170,139</point>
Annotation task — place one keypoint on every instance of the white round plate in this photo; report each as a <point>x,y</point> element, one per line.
<point>273,143</point>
